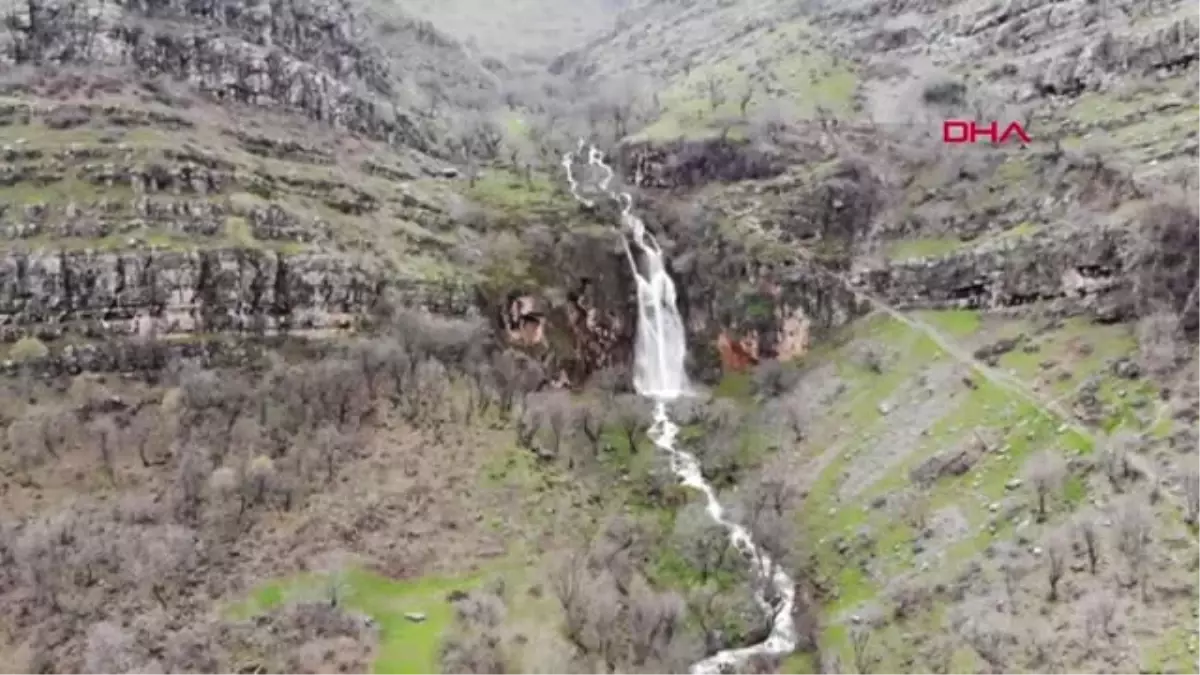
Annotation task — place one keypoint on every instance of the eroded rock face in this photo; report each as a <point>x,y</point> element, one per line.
<point>101,294</point>
<point>1083,267</point>
<point>599,336</point>
<point>309,57</point>
<point>687,163</point>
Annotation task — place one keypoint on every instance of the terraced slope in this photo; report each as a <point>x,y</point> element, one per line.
<point>183,169</point>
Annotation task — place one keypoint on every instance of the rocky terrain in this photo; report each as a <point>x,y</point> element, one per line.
<point>312,364</point>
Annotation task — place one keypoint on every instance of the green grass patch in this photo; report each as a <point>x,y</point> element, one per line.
<point>515,193</point>
<point>39,136</point>
<point>1169,653</point>
<point>786,58</point>
<point>928,247</point>
<point>853,422</point>
<point>736,386</point>
<point>66,190</point>
<point>404,646</point>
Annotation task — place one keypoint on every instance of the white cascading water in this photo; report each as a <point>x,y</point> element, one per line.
<point>660,376</point>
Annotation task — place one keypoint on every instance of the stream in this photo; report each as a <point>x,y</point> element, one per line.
<point>659,376</point>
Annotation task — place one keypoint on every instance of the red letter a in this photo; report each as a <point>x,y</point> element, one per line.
<point>1016,128</point>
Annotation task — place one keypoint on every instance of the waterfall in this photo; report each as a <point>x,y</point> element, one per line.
<point>659,375</point>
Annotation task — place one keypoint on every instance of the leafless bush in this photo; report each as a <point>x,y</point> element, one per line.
<point>1087,529</point>
<point>772,378</point>
<point>475,643</point>
<point>593,422</point>
<point>427,394</point>
<point>109,649</point>
<point>767,507</point>
<point>1100,608</point>
<point>630,417</point>
<point>720,449</point>
<point>938,653</point>
<point>1045,472</point>
<point>703,543</point>
<point>37,436</point>
<point>1014,566</point>
<point>551,412</point>
<point>989,633</point>
<point>865,659</point>
<point>909,597</point>
<point>1133,520</point>
<point>913,506</point>
<point>1058,550</point>
<point>1114,457</point>
<point>516,376</point>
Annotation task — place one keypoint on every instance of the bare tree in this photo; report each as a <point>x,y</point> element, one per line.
<point>1057,548</point>
<point>938,653</point>
<point>988,632</point>
<point>1133,521</point>
<point>191,474</point>
<point>1045,473</point>
<point>331,447</point>
<point>630,418</point>
<point>475,644</point>
<point>716,92</point>
<point>104,434</point>
<point>109,649</point>
<point>860,643</point>
<point>746,98</point>
<point>552,412</point>
<point>516,376</point>
<point>150,432</point>
<point>720,448</point>
<point>1114,458</point>
<point>593,421</point>
<point>1013,566</point>
<point>703,543</point>
<point>1087,528</point>
<point>1100,608</point>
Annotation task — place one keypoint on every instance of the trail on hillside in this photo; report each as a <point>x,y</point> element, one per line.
<point>999,378</point>
<point>1008,383</point>
<point>659,375</point>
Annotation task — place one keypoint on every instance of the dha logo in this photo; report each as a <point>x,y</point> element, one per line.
<point>967,131</point>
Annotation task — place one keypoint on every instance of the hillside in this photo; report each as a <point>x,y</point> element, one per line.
<point>311,363</point>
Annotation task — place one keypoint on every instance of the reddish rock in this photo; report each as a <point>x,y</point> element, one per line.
<point>737,355</point>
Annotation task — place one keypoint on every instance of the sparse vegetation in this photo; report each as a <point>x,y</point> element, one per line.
<point>247,427</point>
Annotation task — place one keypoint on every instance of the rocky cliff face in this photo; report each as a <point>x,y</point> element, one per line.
<point>690,164</point>
<point>310,57</point>
<point>92,294</point>
<point>1084,269</point>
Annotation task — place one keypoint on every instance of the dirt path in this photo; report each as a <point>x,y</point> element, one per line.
<point>999,378</point>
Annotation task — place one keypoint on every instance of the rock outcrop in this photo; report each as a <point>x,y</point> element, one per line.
<point>691,163</point>
<point>95,295</point>
<point>1082,267</point>
<point>308,57</point>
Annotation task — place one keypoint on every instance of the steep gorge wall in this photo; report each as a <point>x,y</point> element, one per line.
<point>307,57</point>
<point>93,295</point>
<point>1082,269</point>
